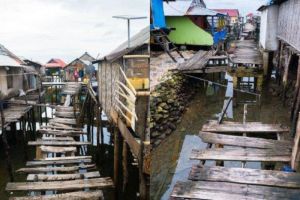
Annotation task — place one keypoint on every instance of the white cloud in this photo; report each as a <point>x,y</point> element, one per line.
<point>244,6</point>
<point>40,30</point>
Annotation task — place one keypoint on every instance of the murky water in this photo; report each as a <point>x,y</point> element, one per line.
<point>171,156</point>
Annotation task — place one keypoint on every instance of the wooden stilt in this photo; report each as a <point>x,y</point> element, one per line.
<point>116,159</point>
<point>5,144</point>
<point>124,164</point>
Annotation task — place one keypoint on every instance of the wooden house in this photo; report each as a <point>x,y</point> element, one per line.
<point>123,79</point>
<point>189,24</point>
<point>279,39</point>
<point>233,14</point>
<point>11,71</point>
<point>80,69</point>
<point>54,68</point>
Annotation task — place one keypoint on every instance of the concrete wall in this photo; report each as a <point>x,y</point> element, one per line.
<point>268,28</point>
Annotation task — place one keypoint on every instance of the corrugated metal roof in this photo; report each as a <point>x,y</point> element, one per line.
<point>176,8</point>
<point>7,58</point>
<point>137,40</point>
<point>183,8</point>
<point>200,11</point>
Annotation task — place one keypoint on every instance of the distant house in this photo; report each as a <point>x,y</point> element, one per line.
<point>188,21</point>
<point>232,13</point>
<point>11,71</point>
<point>35,71</point>
<point>54,67</point>
<point>81,68</point>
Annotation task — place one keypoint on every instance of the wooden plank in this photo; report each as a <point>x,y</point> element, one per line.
<point>58,138</point>
<point>64,121</point>
<point>60,128</point>
<point>62,177</point>
<point>232,191</point>
<point>55,169</point>
<point>60,160</point>
<point>61,132</point>
<point>212,126</point>
<point>242,154</point>
<point>60,185</point>
<point>51,149</point>
<point>242,141</point>
<point>81,195</point>
<point>245,176</point>
<point>65,114</point>
<point>57,143</point>
<point>294,162</point>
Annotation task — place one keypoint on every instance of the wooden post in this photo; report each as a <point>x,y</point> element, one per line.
<point>5,143</point>
<point>124,164</point>
<point>25,138</point>
<point>116,159</point>
<point>295,151</point>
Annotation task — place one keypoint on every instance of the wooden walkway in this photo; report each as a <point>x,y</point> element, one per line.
<point>233,141</point>
<point>58,166</point>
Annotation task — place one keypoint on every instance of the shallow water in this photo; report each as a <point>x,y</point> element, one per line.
<point>171,153</point>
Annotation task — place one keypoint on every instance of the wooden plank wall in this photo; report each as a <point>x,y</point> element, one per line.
<point>288,23</point>
<point>108,75</point>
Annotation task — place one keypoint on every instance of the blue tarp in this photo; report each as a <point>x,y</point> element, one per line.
<point>158,17</point>
<point>219,36</point>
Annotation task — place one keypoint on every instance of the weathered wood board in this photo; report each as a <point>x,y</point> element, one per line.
<point>53,149</point>
<point>81,195</point>
<point>55,169</point>
<point>62,177</point>
<point>242,154</point>
<point>232,191</point>
<point>212,126</point>
<point>57,143</point>
<point>60,185</point>
<point>241,141</point>
<point>60,160</point>
<point>245,176</point>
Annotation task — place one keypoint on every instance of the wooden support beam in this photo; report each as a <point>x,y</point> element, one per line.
<point>295,152</point>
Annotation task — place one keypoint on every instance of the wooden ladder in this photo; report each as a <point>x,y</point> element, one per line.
<point>161,38</point>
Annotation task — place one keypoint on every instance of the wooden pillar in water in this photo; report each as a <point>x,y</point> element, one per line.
<point>125,164</point>
<point>116,158</point>
<point>5,144</point>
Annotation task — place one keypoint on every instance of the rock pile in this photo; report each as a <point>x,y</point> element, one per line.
<point>167,103</point>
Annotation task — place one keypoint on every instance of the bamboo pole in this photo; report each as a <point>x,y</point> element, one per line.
<point>124,164</point>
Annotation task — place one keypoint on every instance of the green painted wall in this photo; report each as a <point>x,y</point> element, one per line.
<point>187,32</point>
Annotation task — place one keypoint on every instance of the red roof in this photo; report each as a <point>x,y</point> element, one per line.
<point>55,62</point>
<point>230,12</point>
<point>250,15</point>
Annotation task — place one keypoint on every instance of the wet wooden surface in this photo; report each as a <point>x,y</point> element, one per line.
<point>245,176</point>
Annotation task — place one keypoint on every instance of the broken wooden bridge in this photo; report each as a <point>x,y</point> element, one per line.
<point>244,142</point>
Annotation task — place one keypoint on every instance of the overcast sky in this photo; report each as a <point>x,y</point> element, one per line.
<point>244,6</point>
<point>44,29</point>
